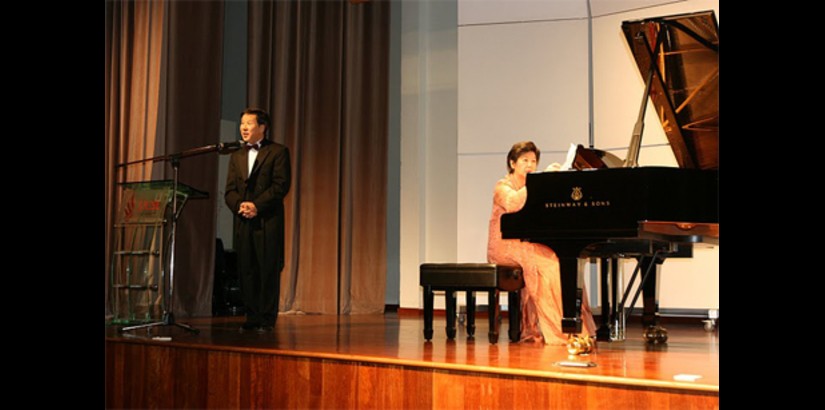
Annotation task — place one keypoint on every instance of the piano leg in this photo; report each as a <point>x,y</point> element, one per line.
<point>492,316</point>
<point>514,312</point>
<point>603,333</point>
<point>471,314</point>
<point>428,312</point>
<point>571,292</point>
<point>451,313</point>
<point>650,315</point>
<point>617,318</point>
<point>650,293</point>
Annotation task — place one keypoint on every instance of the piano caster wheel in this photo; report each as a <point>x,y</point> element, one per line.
<point>655,334</point>
<point>709,324</point>
<point>580,345</point>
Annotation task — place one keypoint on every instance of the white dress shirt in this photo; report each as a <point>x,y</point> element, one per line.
<point>251,155</point>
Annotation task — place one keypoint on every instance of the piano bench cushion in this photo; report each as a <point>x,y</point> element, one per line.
<point>471,276</point>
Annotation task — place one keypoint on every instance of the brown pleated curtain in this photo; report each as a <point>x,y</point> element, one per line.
<point>321,69</point>
<point>163,82</point>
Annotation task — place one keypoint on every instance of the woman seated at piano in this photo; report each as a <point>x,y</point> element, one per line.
<point>541,304</point>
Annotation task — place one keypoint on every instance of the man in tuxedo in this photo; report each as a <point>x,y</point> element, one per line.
<point>258,179</point>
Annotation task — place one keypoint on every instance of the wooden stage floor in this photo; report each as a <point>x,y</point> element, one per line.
<point>394,341</point>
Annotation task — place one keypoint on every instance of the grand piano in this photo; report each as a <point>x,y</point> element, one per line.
<point>607,208</point>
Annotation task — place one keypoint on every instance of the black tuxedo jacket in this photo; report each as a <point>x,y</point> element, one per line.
<point>266,186</point>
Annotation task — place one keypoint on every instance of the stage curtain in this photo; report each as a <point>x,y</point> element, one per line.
<point>162,96</point>
<point>321,69</point>
<point>134,48</point>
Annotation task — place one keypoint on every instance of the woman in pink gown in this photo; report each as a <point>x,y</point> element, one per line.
<point>541,297</point>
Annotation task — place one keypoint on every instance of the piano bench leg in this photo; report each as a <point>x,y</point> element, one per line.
<point>514,315</point>
<point>451,313</point>
<point>471,314</point>
<point>428,312</point>
<point>493,313</point>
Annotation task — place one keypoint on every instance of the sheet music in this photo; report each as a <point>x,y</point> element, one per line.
<point>568,162</point>
<point>571,156</point>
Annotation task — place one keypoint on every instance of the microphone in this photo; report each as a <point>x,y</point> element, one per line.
<point>228,147</point>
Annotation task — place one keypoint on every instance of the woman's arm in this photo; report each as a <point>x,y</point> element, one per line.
<point>508,198</point>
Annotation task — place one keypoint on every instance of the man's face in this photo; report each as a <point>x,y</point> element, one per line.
<point>251,131</point>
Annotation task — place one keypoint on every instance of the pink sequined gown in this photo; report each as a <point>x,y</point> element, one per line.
<point>541,297</point>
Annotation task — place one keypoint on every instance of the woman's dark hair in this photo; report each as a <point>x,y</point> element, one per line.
<point>520,148</point>
<point>261,115</point>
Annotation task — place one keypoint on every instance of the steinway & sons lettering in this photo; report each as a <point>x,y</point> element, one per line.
<point>576,194</point>
<point>576,204</point>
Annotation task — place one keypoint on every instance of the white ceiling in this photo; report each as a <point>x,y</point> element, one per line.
<point>503,11</point>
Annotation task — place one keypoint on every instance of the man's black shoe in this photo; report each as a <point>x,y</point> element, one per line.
<point>265,329</point>
<point>249,326</point>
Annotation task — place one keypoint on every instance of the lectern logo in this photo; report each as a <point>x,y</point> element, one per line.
<point>577,193</point>
<point>129,208</point>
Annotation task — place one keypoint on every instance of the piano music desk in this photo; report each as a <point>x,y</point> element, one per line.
<point>472,277</point>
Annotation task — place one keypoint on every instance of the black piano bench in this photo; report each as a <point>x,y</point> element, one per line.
<point>472,277</point>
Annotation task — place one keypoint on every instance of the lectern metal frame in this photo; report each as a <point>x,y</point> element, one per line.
<point>168,317</point>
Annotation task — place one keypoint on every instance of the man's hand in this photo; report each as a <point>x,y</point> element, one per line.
<point>248,210</point>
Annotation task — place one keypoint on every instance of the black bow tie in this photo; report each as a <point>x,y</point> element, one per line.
<point>253,146</point>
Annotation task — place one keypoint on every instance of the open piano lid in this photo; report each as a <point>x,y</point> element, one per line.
<point>683,51</point>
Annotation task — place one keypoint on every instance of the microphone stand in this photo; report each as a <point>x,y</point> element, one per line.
<point>168,318</point>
